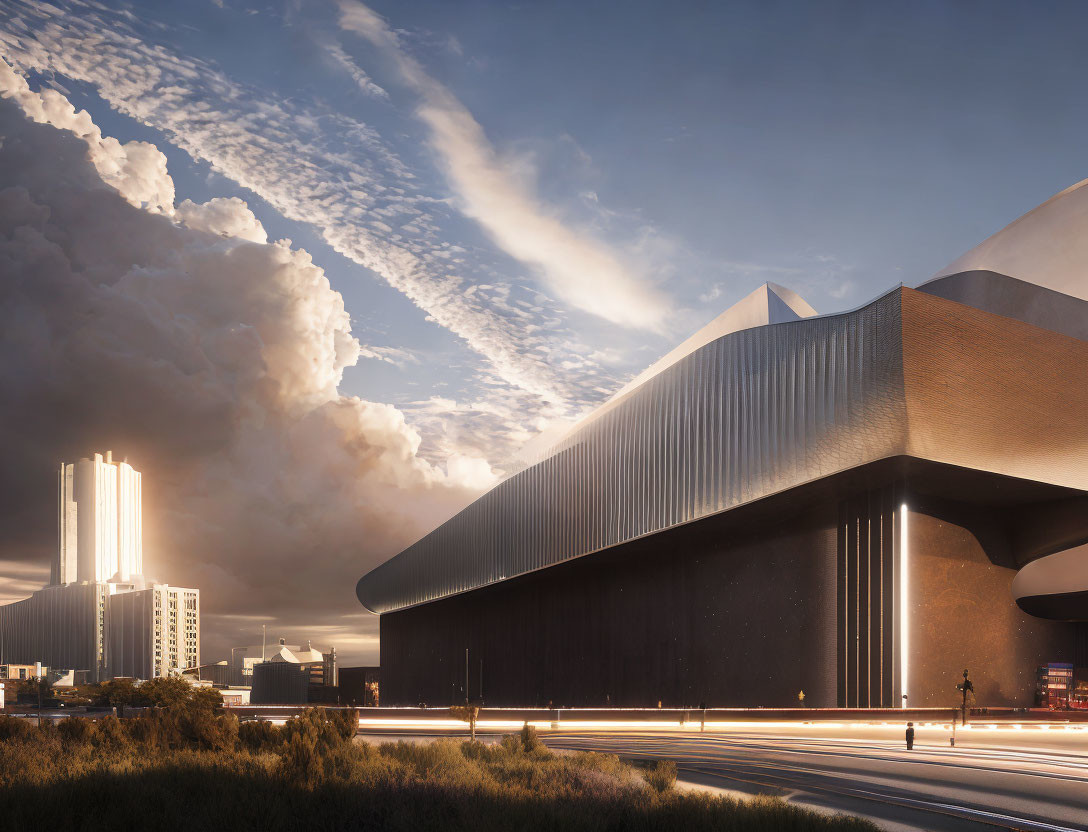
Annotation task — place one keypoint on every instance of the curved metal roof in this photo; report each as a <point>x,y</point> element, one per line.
<point>747,415</point>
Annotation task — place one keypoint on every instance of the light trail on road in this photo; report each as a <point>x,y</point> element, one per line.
<point>993,778</point>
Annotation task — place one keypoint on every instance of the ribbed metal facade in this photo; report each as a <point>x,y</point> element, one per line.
<point>91,626</point>
<point>751,414</point>
<point>59,626</point>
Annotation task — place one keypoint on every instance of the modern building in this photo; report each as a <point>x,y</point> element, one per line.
<point>100,516</point>
<point>788,501</point>
<point>294,676</point>
<point>99,613</point>
<point>320,665</point>
<point>219,673</point>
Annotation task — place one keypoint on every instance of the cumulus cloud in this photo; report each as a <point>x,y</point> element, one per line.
<point>210,358</point>
<point>328,170</point>
<point>582,271</point>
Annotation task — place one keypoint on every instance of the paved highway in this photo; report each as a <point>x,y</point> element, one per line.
<point>1005,778</point>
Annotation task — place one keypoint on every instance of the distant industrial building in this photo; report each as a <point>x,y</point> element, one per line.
<point>99,613</point>
<point>857,505</point>
<point>23,671</point>
<point>321,666</point>
<point>294,676</point>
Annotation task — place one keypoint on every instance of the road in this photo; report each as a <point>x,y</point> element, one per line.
<point>1029,778</point>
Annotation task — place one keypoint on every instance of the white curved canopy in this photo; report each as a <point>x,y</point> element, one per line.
<point>1055,574</point>
<point>1048,246</point>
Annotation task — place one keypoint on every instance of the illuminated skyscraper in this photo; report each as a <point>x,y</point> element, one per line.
<point>100,533</point>
<point>99,613</point>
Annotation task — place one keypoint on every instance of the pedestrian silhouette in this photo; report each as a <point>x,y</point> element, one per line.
<point>910,736</point>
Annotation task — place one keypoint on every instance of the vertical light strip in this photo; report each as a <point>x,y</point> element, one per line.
<point>904,613</point>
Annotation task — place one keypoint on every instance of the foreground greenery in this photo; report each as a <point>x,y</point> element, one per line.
<point>189,768</point>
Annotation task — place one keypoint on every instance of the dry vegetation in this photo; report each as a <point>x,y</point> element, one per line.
<point>189,768</point>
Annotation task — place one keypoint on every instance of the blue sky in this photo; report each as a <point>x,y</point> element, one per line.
<point>836,148</point>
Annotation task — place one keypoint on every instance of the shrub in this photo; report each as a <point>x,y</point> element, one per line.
<point>207,731</point>
<point>259,735</point>
<point>529,740</point>
<point>77,729</point>
<point>205,699</point>
<point>511,744</point>
<point>345,722</point>
<point>325,728</point>
<point>12,727</point>
<point>153,729</point>
<point>298,765</point>
<point>164,692</point>
<point>661,775</point>
<point>111,734</point>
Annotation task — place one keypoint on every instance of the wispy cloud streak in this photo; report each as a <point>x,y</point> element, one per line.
<point>582,271</point>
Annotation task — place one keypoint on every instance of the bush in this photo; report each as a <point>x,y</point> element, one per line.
<point>207,731</point>
<point>529,740</point>
<point>111,734</point>
<point>661,775</point>
<point>77,729</point>
<point>12,727</point>
<point>324,728</point>
<point>298,765</point>
<point>259,735</point>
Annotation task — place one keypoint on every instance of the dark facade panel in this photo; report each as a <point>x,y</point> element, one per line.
<point>280,683</point>
<point>631,627</point>
<point>868,602</point>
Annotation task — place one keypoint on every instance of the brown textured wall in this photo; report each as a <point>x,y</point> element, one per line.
<point>962,615</point>
<point>993,393</point>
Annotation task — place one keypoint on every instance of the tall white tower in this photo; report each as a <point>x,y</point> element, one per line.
<point>100,527</point>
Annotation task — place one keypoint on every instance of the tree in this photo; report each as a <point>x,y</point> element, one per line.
<point>466,713</point>
<point>117,693</point>
<point>206,699</point>
<point>35,685</point>
<point>166,692</point>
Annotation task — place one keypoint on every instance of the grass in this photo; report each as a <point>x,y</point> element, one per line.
<point>183,770</point>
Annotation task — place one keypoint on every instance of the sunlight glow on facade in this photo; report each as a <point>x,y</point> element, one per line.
<point>904,613</point>
<point>99,612</point>
<point>101,537</point>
